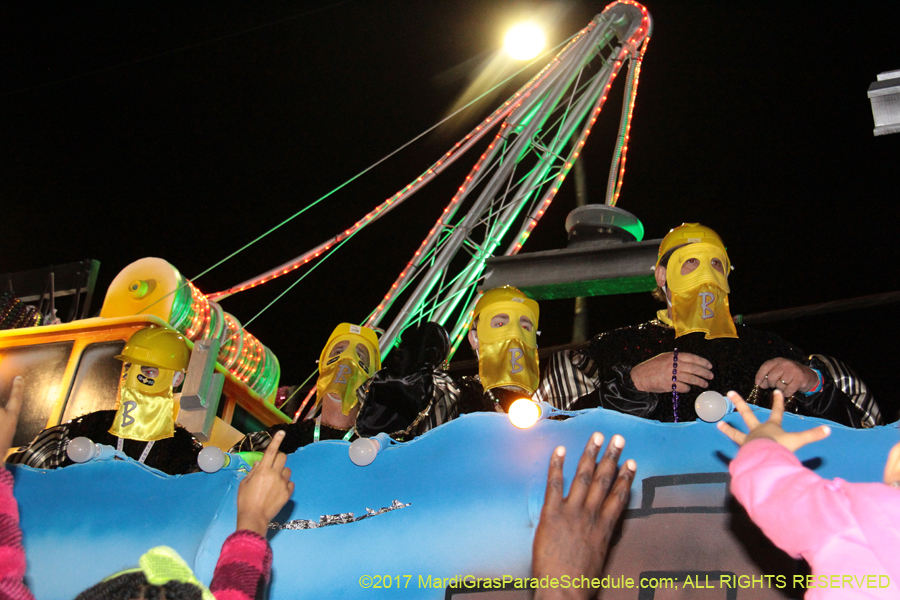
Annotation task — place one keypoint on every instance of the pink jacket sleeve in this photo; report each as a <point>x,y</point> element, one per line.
<point>244,566</point>
<point>12,554</point>
<point>796,509</point>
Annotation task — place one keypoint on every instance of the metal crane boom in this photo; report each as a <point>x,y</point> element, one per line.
<point>521,171</point>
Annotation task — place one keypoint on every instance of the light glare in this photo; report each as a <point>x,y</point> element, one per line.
<point>524,413</point>
<point>524,41</point>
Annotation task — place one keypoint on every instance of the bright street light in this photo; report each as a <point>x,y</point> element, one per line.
<point>524,41</point>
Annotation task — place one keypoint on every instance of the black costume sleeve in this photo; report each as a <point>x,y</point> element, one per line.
<point>616,391</point>
<point>844,398</point>
<point>410,394</point>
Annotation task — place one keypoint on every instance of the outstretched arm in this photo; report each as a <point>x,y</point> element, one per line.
<point>573,535</point>
<point>771,429</point>
<point>796,509</point>
<point>245,562</point>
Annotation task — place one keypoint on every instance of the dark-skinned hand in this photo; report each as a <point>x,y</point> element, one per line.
<point>573,535</point>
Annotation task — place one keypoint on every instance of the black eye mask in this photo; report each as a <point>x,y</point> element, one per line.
<point>145,380</point>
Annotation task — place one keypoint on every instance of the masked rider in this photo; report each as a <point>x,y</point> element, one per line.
<point>143,423</point>
<point>634,369</point>
<point>503,336</point>
<point>349,358</point>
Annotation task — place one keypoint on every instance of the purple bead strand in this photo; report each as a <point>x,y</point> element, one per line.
<point>674,384</point>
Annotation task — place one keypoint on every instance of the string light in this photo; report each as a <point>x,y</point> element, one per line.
<point>460,148</point>
<point>442,222</point>
<point>632,42</point>
<point>244,356</point>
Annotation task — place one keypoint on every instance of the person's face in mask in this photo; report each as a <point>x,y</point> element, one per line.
<point>696,286</point>
<point>691,264</point>
<point>504,340</point>
<point>502,320</point>
<point>346,368</point>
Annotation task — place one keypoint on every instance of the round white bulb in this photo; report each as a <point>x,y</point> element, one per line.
<point>712,406</point>
<point>523,413</point>
<point>363,451</point>
<point>81,449</point>
<point>524,41</point>
<point>211,459</point>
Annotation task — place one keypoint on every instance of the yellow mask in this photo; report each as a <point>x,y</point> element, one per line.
<point>145,410</point>
<point>345,373</point>
<point>700,298</point>
<point>343,376</point>
<point>507,355</point>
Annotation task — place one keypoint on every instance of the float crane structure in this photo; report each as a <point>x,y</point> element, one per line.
<point>516,179</point>
<point>542,129</point>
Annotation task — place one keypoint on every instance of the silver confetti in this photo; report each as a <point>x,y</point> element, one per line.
<point>338,519</point>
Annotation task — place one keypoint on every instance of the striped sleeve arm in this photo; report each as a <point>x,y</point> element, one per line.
<point>848,382</point>
<point>47,451</point>
<point>567,377</point>
<point>244,567</point>
<point>443,407</point>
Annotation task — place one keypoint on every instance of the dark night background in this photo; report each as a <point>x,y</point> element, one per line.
<point>186,130</point>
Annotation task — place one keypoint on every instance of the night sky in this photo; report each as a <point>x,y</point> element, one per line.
<point>185,130</point>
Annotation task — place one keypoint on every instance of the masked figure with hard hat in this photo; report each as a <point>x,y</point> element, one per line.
<point>143,422</point>
<point>349,359</point>
<point>503,335</point>
<point>656,370</point>
<point>356,397</point>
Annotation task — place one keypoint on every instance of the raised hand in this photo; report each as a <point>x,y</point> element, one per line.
<point>771,429</point>
<point>573,535</point>
<point>655,375</point>
<point>9,416</point>
<point>265,490</point>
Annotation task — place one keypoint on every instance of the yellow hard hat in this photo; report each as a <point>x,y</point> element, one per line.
<point>156,347</point>
<point>507,293</point>
<point>358,333</point>
<point>691,233</point>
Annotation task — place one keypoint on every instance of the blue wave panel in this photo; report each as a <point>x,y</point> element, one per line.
<point>474,487</point>
<point>86,522</point>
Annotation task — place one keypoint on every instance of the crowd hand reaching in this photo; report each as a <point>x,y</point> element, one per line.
<point>655,375</point>
<point>786,375</point>
<point>9,416</point>
<point>265,490</point>
<point>771,429</point>
<point>573,535</point>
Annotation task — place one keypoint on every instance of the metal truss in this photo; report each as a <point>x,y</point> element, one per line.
<point>511,185</point>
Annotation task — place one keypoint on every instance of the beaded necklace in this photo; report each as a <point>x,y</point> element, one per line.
<point>674,384</point>
<point>319,427</point>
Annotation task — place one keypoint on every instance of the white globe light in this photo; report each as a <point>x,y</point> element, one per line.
<point>524,41</point>
<point>211,459</point>
<point>363,451</point>
<point>81,450</point>
<point>524,413</point>
<point>712,406</point>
